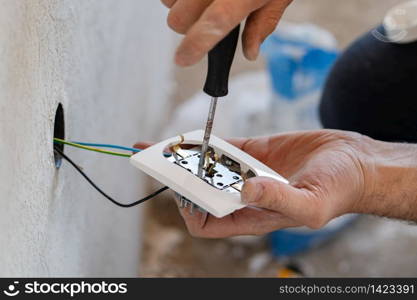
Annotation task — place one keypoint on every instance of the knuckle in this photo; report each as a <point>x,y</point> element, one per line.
<point>194,46</point>
<point>316,223</point>
<point>165,2</point>
<point>278,200</point>
<point>195,232</point>
<point>176,23</point>
<point>271,20</point>
<point>317,219</point>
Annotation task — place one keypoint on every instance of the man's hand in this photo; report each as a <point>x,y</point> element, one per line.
<point>327,179</point>
<point>206,22</point>
<point>331,173</point>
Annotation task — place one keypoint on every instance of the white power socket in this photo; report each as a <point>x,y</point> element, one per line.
<point>219,191</point>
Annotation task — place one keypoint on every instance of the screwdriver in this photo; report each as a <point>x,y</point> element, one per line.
<point>220,60</point>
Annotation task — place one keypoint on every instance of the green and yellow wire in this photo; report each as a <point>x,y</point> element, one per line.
<point>60,141</point>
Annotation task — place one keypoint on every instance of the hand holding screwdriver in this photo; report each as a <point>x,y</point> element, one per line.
<point>220,61</point>
<point>206,22</point>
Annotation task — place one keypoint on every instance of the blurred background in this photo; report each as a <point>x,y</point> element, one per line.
<point>355,246</point>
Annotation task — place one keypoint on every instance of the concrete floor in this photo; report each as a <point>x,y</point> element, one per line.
<point>370,247</point>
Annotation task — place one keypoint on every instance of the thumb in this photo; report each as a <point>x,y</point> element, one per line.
<point>299,204</point>
<point>142,145</point>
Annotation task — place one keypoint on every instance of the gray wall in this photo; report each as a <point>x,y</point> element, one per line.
<point>108,62</point>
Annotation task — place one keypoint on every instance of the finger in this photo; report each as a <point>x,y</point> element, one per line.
<point>142,145</point>
<point>298,204</point>
<point>256,147</point>
<point>194,220</point>
<point>240,142</point>
<point>184,13</point>
<point>247,221</point>
<point>247,144</point>
<point>203,220</point>
<point>260,25</point>
<point>168,3</point>
<point>214,24</point>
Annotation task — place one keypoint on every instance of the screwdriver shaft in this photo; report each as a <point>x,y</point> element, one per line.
<point>207,134</point>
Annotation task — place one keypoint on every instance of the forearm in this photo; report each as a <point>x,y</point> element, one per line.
<point>391,189</point>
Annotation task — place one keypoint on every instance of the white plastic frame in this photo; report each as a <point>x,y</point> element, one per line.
<point>217,202</point>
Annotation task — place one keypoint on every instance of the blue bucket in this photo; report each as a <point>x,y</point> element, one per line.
<point>288,242</point>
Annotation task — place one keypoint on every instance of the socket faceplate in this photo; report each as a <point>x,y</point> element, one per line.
<point>218,195</point>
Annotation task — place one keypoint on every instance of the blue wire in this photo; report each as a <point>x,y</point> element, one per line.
<point>108,146</point>
<point>114,147</point>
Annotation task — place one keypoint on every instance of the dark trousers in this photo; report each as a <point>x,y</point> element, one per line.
<point>372,89</point>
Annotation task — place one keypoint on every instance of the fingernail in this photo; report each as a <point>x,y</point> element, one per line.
<point>252,192</point>
<point>252,53</point>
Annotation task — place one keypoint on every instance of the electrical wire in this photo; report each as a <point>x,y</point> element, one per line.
<point>135,150</point>
<point>60,141</point>
<point>107,146</point>
<point>92,147</point>
<point>101,191</point>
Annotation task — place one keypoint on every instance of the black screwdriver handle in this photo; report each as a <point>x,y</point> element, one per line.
<point>220,60</point>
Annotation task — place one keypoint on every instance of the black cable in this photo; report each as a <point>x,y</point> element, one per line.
<point>101,191</point>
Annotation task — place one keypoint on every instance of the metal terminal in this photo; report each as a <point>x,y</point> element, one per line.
<point>176,149</point>
<point>223,174</point>
<point>207,159</point>
<point>182,139</point>
<point>231,164</point>
<point>238,186</point>
<point>207,134</point>
<point>210,170</point>
<point>175,155</point>
<point>218,176</point>
<point>181,152</point>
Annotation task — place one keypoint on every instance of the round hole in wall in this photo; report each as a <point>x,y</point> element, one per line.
<point>59,132</point>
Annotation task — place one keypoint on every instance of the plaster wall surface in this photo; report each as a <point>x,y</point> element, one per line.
<point>108,63</point>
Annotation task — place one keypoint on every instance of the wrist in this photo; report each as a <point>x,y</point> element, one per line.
<point>390,180</point>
